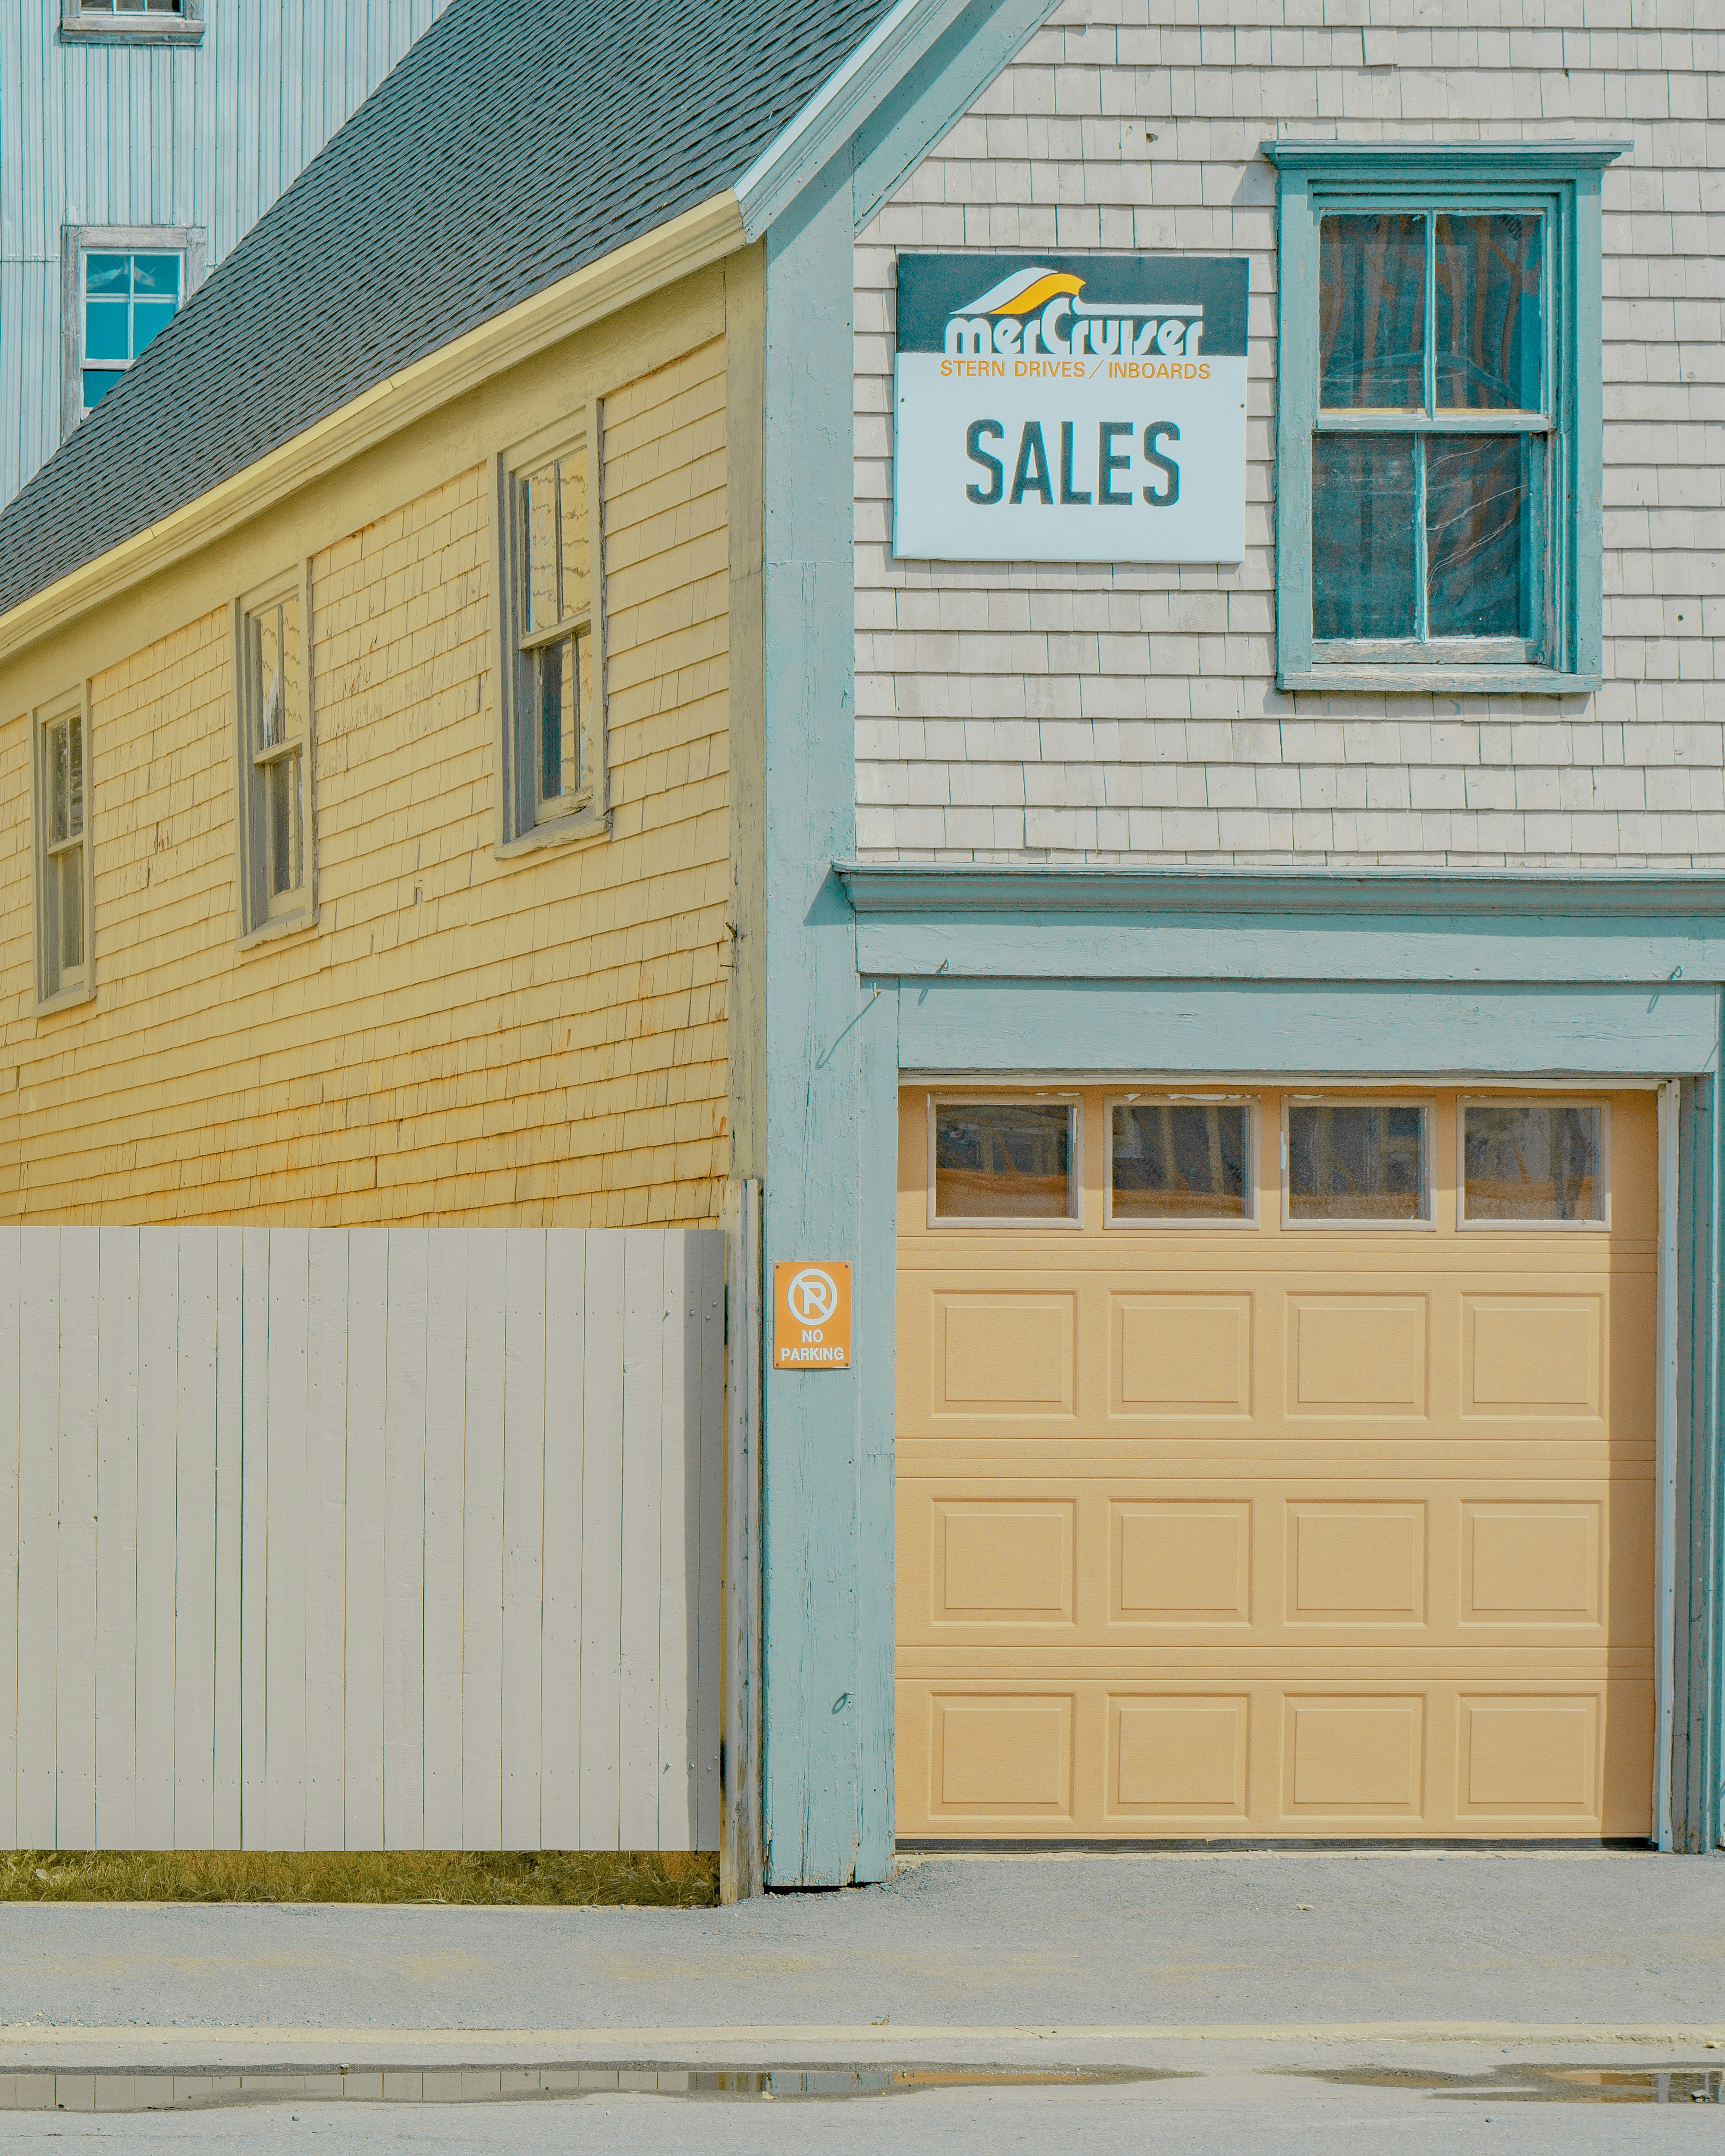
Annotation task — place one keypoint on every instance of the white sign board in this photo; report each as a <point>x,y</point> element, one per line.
<point>1067,408</point>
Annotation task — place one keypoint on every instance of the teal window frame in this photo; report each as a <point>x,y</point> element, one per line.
<point>1560,180</point>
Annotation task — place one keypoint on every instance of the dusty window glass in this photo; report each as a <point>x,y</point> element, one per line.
<point>1372,328</point>
<point>1423,536</point>
<point>552,689</point>
<point>1365,560</point>
<point>1490,340</point>
<point>274,718</point>
<point>1008,1161</point>
<point>61,876</point>
<point>1181,1160</point>
<point>1532,1160</point>
<point>1347,1163</point>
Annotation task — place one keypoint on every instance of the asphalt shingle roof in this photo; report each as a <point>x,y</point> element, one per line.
<point>517,141</point>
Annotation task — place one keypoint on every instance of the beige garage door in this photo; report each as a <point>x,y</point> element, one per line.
<point>1275,1463</point>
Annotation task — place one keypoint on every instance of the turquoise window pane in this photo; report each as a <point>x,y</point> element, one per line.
<point>155,276</point>
<point>107,330</point>
<point>1479,534</point>
<point>107,273</point>
<point>150,317</point>
<point>1490,340</point>
<point>97,382</point>
<point>1363,567</point>
<point>1372,312</point>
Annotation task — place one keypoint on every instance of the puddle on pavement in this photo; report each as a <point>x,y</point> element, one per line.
<point>1531,2084</point>
<point>164,2090</point>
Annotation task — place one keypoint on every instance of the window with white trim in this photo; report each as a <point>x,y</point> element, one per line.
<point>554,732</point>
<point>159,22</point>
<point>275,773</point>
<point>121,287</point>
<point>60,768</point>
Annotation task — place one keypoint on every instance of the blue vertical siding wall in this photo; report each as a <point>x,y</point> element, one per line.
<point>125,133</point>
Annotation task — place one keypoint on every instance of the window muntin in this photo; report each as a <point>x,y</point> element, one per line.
<point>554,760</point>
<point>1173,1161</point>
<point>1004,1160</point>
<point>1524,1161</point>
<point>129,295</point>
<point>274,749</point>
<point>1357,1161</point>
<point>62,853</point>
<point>1428,541</point>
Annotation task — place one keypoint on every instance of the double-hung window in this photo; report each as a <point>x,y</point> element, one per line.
<point>274,778</point>
<point>553,746</point>
<point>1438,507</point>
<point>121,287</point>
<point>60,781</point>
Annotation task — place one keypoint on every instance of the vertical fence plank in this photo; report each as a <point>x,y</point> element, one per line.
<point>366,1528</point>
<point>255,1553</point>
<point>285,1670</point>
<point>11,1434</point>
<point>677,1570</point>
<point>710,1540</point>
<point>158,1414</point>
<point>445,1446</point>
<point>405,1423</point>
<point>38,1402</point>
<point>482,1553</point>
<point>560,1668</point>
<point>602,1537</point>
<point>195,1547</point>
<point>739,1648</point>
<point>75,1566</point>
<point>523,1534</point>
<point>644,1329</point>
<point>326,1478</point>
<point>116,1608</point>
<point>230,1438</point>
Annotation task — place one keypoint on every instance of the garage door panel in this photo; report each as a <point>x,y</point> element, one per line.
<point>1358,1355</point>
<point>1180,1562</point>
<point>1181,1356</point>
<point>1178,1759</point>
<point>1540,1356</point>
<point>1277,1530</point>
<point>1355,1563</point>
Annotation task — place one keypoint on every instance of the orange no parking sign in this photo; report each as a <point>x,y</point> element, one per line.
<point>811,1314</point>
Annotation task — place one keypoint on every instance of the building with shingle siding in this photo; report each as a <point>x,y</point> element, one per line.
<point>1057,662</point>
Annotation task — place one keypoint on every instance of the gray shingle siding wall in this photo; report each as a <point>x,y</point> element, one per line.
<point>517,141</point>
<point>1050,712</point>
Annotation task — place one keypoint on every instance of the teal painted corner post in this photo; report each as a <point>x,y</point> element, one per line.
<point>1697,1805</point>
<point>830,1055</point>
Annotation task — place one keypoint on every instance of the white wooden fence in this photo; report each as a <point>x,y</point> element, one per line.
<point>360,1539</point>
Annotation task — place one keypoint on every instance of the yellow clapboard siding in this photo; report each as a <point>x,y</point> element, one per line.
<point>458,1040</point>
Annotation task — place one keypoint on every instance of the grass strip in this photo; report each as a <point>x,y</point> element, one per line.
<point>537,1879</point>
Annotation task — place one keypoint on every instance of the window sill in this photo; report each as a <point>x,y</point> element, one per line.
<point>272,932</point>
<point>566,831</point>
<point>1437,680</point>
<point>67,1000</point>
<point>96,32</point>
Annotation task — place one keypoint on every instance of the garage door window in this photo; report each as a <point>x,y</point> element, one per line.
<point>1174,1161</point>
<point>1356,1163</point>
<point>1005,1161</point>
<point>1525,1162</point>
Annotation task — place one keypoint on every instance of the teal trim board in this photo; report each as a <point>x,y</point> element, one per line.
<point>1558,183</point>
<point>826,1534</point>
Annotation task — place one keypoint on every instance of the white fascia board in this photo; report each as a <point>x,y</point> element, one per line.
<point>838,108</point>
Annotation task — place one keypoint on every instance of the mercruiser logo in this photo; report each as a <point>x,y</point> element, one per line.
<point>1042,311</point>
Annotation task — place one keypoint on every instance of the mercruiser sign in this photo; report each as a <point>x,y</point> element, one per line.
<point>1070,408</point>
